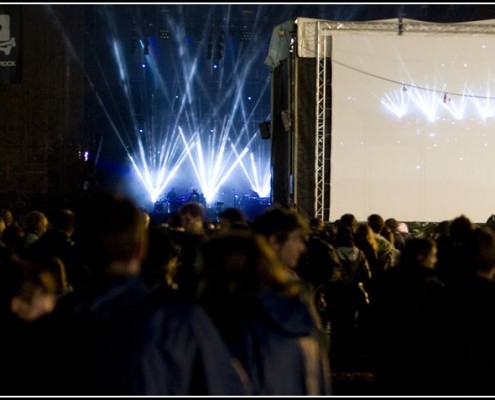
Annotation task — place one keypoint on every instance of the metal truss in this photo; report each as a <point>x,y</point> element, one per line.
<point>320,143</point>
<point>405,25</point>
<point>311,30</point>
<point>314,37</point>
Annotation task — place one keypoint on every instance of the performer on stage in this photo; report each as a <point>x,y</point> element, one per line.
<point>172,195</point>
<point>194,196</point>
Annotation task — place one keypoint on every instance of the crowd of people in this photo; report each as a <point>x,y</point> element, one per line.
<point>106,300</point>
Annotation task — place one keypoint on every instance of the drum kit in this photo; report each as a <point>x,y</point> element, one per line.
<point>253,205</point>
<point>166,206</point>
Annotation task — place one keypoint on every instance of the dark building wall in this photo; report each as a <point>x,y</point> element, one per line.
<point>41,118</point>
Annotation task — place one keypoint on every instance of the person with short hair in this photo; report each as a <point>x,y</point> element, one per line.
<point>232,218</point>
<point>116,338</point>
<point>286,231</point>
<point>35,225</point>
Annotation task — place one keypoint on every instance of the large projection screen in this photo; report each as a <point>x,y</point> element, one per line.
<point>413,125</point>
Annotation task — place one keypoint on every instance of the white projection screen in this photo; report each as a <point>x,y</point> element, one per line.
<point>413,125</point>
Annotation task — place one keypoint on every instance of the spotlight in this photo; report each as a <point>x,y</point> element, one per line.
<point>145,44</point>
<point>164,34</point>
<point>265,130</point>
<point>245,35</point>
<point>220,44</point>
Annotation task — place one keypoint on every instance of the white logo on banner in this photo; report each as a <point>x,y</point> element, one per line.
<point>6,42</point>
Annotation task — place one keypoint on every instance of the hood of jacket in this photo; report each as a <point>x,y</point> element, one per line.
<point>349,254</point>
<point>288,314</point>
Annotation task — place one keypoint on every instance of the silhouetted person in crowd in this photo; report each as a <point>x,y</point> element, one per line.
<point>286,232</point>
<point>7,216</point>
<point>348,220</point>
<point>408,329</point>
<point>318,266</point>
<point>174,222</point>
<point>348,302</point>
<point>159,267</point>
<point>399,231</point>
<point>318,228</point>
<point>364,238</point>
<point>193,216</point>
<point>56,243</point>
<point>232,218</point>
<point>2,230</point>
<point>319,262</point>
<point>387,254</point>
<point>388,234</point>
<point>452,262</point>
<point>261,317</point>
<point>13,239</point>
<point>116,338</point>
<point>27,293</point>
<point>470,355</point>
<point>172,195</point>
<point>189,238</point>
<point>194,196</point>
<point>442,230</point>
<point>35,225</point>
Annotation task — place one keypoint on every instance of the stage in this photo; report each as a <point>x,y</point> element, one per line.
<point>251,205</point>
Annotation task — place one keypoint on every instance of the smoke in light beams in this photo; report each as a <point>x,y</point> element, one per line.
<point>213,168</point>
<point>156,180</point>
<point>175,112</point>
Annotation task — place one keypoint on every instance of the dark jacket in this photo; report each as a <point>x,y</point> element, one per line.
<point>118,339</point>
<point>470,333</point>
<point>276,340</point>
<point>409,332</point>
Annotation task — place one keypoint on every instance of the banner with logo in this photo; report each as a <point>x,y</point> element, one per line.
<point>10,49</point>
